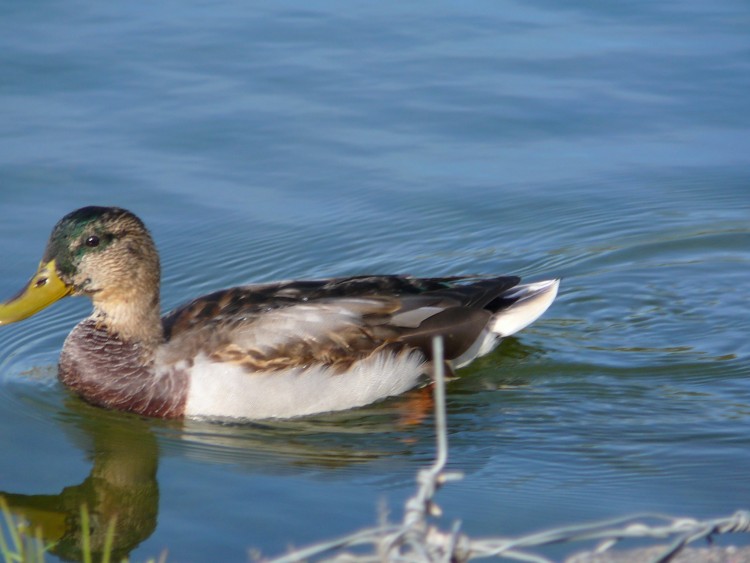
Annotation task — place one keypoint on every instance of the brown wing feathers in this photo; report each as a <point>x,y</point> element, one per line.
<point>376,313</point>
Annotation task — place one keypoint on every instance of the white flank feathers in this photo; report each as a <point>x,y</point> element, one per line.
<point>223,390</point>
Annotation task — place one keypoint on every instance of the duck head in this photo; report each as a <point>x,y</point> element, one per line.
<point>104,253</point>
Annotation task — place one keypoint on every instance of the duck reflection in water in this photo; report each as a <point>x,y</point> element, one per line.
<point>121,488</point>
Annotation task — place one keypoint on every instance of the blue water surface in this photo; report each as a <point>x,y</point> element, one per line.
<point>605,143</point>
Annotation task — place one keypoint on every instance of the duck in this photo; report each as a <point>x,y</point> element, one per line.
<point>262,351</point>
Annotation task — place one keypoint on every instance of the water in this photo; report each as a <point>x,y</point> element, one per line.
<point>606,144</point>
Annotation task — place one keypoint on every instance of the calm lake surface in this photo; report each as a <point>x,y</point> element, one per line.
<point>607,144</point>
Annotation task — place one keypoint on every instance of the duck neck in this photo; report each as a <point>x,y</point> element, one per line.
<point>133,317</point>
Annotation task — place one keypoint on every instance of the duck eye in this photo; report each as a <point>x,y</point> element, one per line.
<point>92,241</point>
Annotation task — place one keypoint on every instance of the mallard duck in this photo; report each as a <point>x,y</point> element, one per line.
<point>274,350</point>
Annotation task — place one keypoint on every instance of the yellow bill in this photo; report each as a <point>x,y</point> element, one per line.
<point>45,288</point>
<point>50,523</point>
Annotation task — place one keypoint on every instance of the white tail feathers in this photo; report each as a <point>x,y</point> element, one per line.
<point>533,300</point>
